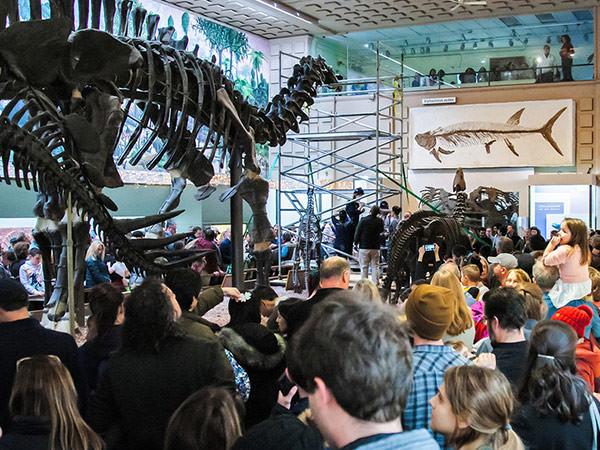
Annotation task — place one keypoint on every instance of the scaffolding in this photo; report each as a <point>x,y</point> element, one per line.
<point>352,139</point>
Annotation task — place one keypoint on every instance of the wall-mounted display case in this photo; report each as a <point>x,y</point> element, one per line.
<point>553,197</point>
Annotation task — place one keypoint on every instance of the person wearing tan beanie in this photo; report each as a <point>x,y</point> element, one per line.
<point>429,313</point>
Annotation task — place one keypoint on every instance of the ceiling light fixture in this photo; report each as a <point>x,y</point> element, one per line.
<point>459,3</point>
<point>289,11</point>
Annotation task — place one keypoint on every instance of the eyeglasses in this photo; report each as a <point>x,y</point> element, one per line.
<point>53,358</point>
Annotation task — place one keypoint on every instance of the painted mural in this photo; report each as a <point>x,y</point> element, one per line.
<point>525,134</point>
<point>242,56</point>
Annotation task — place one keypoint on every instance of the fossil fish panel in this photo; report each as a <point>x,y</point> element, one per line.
<point>523,134</point>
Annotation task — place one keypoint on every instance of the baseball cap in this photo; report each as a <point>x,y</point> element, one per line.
<point>505,260</point>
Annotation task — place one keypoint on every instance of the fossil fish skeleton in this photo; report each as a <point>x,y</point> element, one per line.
<point>462,134</point>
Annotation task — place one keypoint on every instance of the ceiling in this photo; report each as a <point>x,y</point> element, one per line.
<point>297,17</point>
<point>499,30</point>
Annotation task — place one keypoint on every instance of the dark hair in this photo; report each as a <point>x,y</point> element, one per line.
<point>375,210</point>
<point>244,312</point>
<point>595,242</point>
<point>34,252</point>
<point>566,37</point>
<point>508,306</point>
<point>149,318</point>
<point>459,251</point>
<point>10,255</point>
<point>342,214</point>
<point>13,295</point>
<point>292,315</point>
<point>185,284</point>
<point>314,279</point>
<point>21,249</point>
<point>396,209</point>
<point>551,384</point>
<point>263,293</point>
<point>208,420</point>
<point>372,377</point>
<point>210,234</point>
<point>104,300</point>
<point>286,237</point>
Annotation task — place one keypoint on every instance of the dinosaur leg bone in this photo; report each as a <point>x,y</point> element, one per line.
<point>247,135</point>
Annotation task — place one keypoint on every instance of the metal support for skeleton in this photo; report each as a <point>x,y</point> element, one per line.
<point>237,231</point>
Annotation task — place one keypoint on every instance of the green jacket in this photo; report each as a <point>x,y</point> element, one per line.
<point>191,321</point>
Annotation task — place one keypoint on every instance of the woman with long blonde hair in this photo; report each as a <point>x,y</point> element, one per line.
<point>43,409</point>
<point>96,269</point>
<point>462,327</point>
<point>473,409</point>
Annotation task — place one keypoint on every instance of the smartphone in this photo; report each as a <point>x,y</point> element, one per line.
<point>429,247</point>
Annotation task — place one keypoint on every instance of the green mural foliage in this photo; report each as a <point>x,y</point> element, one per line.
<point>223,40</point>
<point>185,22</point>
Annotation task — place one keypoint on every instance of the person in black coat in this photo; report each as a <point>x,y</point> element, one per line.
<point>105,327</point>
<point>260,352</point>
<point>556,406</point>
<point>368,238</point>
<point>22,336</point>
<point>155,370</point>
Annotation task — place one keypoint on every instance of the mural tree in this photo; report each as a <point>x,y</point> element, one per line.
<point>223,39</point>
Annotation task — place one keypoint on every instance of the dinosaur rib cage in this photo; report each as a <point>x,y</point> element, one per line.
<point>42,162</point>
<point>404,245</point>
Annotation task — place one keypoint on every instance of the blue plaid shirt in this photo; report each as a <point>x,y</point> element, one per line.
<point>430,362</point>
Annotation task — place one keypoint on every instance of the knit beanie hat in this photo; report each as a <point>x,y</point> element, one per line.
<point>579,318</point>
<point>429,310</point>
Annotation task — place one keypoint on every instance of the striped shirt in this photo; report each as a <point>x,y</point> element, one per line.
<point>430,362</point>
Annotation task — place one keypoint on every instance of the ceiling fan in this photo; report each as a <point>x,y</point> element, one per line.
<point>459,3</point>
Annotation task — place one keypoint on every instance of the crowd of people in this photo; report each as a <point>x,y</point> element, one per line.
<point>490,348</point>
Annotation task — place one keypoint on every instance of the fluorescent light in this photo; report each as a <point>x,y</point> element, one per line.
<point>288,11</point>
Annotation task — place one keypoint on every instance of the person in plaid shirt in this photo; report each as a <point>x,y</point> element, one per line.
<point>356,395</point>
<point>429,311</point>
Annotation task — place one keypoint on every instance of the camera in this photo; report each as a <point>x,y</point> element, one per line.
<point>429,247</point>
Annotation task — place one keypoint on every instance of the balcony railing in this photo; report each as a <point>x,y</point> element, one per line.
<point>462,80</point>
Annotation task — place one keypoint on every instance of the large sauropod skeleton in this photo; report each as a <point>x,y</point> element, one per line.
<point>67,95</point>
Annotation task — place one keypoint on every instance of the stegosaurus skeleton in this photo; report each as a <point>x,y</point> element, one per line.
<point>69,95</point>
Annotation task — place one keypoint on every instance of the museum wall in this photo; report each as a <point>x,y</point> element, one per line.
<point>587,122</point>
<point>133,201</point>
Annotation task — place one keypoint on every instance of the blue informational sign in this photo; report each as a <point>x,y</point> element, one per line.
<point>542,210</point>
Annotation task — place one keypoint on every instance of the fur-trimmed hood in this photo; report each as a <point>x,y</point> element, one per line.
<point>247,354</point>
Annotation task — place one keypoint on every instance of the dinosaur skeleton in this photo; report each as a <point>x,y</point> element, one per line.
<point>68,97</point>
<point>420,227</point>
<point>494,205</point>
